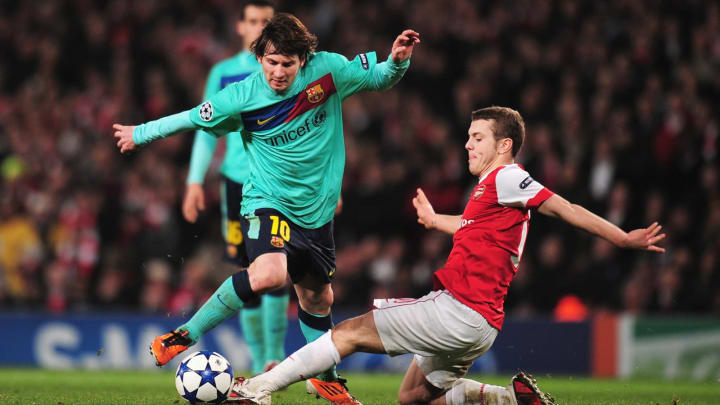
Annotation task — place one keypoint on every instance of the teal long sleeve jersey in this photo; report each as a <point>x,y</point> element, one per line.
<point>235,165</point>
<point>293,139</point>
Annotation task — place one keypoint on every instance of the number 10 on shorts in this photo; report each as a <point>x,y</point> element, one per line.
<point>282,226</point>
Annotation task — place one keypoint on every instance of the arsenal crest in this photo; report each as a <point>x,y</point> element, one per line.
<point>277,241</point>
<point>479,190</point>
<point>315,94</point>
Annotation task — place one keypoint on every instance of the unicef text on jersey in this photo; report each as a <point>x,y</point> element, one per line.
<point>293,134</point>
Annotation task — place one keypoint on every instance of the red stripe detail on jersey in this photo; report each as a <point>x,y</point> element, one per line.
<point>482,394</point>
<point>539,198</point>
<point>309,98</point>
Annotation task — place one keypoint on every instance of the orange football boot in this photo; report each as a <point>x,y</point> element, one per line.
<point>334,391</point>
<point>165,347</point>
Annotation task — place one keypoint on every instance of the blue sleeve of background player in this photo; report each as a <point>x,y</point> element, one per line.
<point>204,143</point>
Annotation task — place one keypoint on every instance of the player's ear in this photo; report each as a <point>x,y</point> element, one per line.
<point>505,145</point>
<point>240,27</point>
<point>302,61</point>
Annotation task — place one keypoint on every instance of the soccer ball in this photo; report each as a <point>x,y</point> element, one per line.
<point>204,376</point>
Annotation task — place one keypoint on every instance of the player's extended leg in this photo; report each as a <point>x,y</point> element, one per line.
<point>350,336</point>
<point>251,316</point>
<point>523,390</point>
<point>275,324</point>
<point>267,272</point>
<point>416,389</point>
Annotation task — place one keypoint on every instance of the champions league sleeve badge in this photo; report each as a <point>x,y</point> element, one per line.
<point>206,111</point>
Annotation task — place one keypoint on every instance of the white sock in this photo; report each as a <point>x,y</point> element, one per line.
<point>469,392</point>
<point>309,361</point>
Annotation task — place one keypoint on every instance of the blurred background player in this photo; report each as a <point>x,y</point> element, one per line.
<point>264,321</point>
<point>452,326</point>
<point>290,116</point>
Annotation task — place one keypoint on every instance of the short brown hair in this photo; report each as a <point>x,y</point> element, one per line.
<point>508,124</point>
<point>288,36</point>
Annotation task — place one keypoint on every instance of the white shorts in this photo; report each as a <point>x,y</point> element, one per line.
<point>445,335</point>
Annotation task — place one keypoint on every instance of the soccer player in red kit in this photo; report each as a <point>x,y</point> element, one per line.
<point>456,323</point>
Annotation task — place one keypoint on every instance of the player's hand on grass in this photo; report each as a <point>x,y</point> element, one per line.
<point>425,211</point>
<point>124,133</point>
<point>403,46</point>
<point>193,202</point>
<point>645,238</point>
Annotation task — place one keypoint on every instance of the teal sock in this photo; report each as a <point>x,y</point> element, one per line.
<point>313,326</point>
<point>275,324</point>
<point>251,322</point>
<point>223,304</point>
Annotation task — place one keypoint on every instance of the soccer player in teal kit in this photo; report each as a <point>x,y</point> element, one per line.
<point>290,118</point>
<point>263,321</point>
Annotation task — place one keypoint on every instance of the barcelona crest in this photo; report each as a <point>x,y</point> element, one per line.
<point>277,242</point>
<point>479,190</point>
<point>315,94</point>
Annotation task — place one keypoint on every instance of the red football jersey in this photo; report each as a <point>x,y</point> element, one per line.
<point>489,244</point>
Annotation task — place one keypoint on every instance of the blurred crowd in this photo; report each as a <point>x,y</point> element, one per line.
<point>620,99</point>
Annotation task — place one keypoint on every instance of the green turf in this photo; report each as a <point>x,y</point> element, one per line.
<point>29,386</point>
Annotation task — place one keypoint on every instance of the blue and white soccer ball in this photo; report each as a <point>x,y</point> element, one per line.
<point>204,376</point>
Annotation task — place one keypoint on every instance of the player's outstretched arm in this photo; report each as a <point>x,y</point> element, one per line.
<point>574,214</point>
<point>129,137</point>
<point>431,220</point>
<point>363,73</point>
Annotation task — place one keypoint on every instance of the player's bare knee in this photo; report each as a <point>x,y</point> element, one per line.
<point>268,272</point>
<point>270,279</point>
<point>343,334</point>
<point>357,335</point>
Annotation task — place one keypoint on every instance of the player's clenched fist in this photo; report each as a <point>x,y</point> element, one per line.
<point>425,211</point>
<point>124,134</point>
<point>403,46</point>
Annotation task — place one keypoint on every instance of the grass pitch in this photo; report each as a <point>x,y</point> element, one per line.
<point>41,387</point>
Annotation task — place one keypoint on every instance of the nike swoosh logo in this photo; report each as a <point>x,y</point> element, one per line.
<point>265,121</point>
<point>226,305</point>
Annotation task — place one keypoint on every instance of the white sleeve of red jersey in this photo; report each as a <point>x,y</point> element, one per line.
<point>516,188</point>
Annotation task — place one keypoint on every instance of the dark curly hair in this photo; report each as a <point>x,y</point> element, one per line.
<point>287,35</point>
